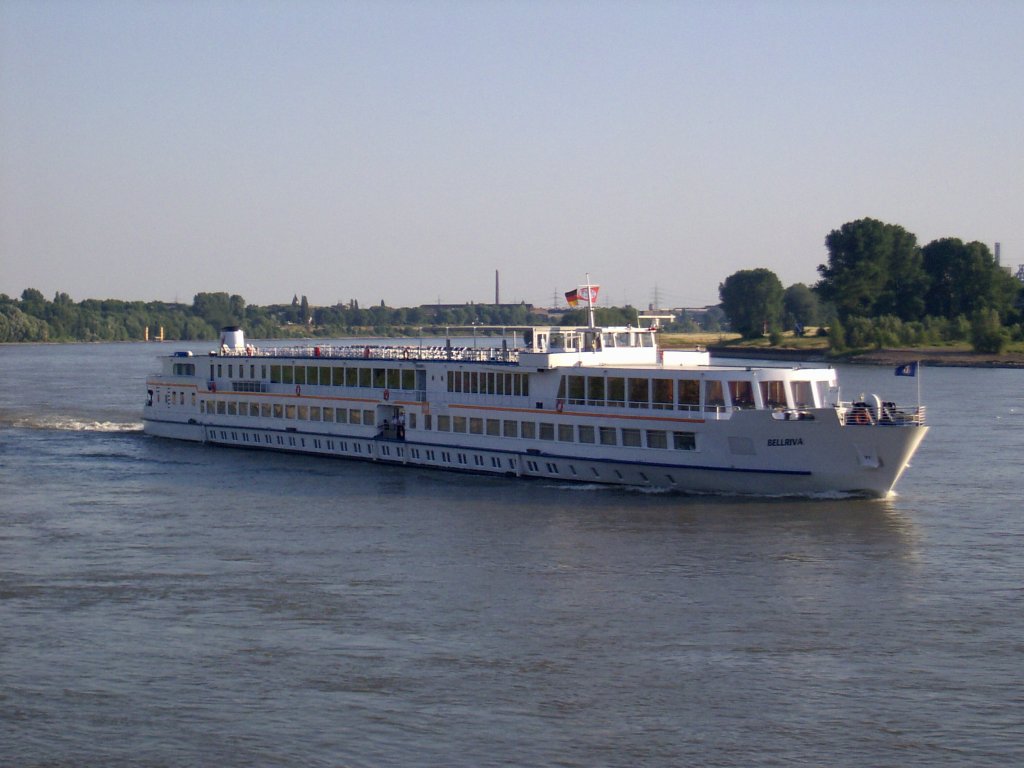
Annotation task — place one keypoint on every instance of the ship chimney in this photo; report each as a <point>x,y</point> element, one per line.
<point>232,338</point>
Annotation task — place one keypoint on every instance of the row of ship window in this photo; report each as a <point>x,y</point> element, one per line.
<point>592,390</point>
<point>170,397</point>
<point>473,382</point>
<point>489,383</point>
<point>681,394</point>
<point>416,453</point>
<point>568,433</point>
<point>324,375</point>
<point>509,428</point>
<point>288,411</point>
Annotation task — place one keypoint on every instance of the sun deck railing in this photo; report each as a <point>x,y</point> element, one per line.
<point>864,414</point>
<point>383,352</point>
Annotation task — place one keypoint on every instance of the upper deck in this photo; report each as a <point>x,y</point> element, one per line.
<point>540,347</point>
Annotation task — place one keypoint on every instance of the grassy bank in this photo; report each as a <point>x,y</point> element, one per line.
<point>816,348</point>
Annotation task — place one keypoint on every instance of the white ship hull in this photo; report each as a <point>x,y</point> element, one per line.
<point>778,431</point>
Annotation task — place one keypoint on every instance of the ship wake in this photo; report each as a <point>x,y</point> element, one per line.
<point>67,423</point>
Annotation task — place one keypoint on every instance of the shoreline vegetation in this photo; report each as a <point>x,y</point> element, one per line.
<point>882,299</point>
<point>816,349</point>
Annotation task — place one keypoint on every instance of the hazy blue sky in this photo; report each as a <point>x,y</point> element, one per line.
<point>405,150</point>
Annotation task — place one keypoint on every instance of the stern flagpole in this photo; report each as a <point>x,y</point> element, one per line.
<point>590,302</point>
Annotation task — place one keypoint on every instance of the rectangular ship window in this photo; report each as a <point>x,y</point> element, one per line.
<point>616,391</point>
<point>684,441</point>
<point>689,395</point>
<point>631,437</point>
<point>656,439</point>
<point>661,393</point>
<point>639,393</point>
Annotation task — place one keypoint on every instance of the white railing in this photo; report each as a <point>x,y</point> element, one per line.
<point>864,414</point>
<point>385,352</point>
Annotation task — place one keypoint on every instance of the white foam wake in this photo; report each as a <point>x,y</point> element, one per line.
<point>72,424</point>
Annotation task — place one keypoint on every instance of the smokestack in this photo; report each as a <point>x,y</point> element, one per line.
<point>497,293</point>
<point>997,254</point>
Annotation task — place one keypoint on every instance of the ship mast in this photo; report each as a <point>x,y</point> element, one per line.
<point>590,302</point>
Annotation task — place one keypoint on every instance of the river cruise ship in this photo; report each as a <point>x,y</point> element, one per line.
<point>582,404</point>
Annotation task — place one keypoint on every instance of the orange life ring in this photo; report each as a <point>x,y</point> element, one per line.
<point>298,390</point>
<point>558,405</point>
<point>387,394</point>
<point>860,416</point>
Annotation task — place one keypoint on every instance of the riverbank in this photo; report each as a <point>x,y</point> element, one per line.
<point>930,356</point>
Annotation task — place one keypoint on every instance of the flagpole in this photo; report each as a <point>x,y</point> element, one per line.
<point>590,302</point>
<point>919,386</point>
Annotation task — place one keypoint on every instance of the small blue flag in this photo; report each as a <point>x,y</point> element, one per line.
<point>907,369</point>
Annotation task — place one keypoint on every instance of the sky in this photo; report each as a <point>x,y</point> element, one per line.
<point>404,151</point>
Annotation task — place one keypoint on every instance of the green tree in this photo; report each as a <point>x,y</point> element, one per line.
<point>801,305</point>
<point>236,305</point>
<point>987,332</point>
<point>214,308</point>
<point>873,269</point>
<point>963,278</point>
<point>752,300</point>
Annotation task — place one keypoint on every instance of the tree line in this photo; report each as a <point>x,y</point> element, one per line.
<point>881,289</point>
<point>33,317</point>
<point>878,289</point>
